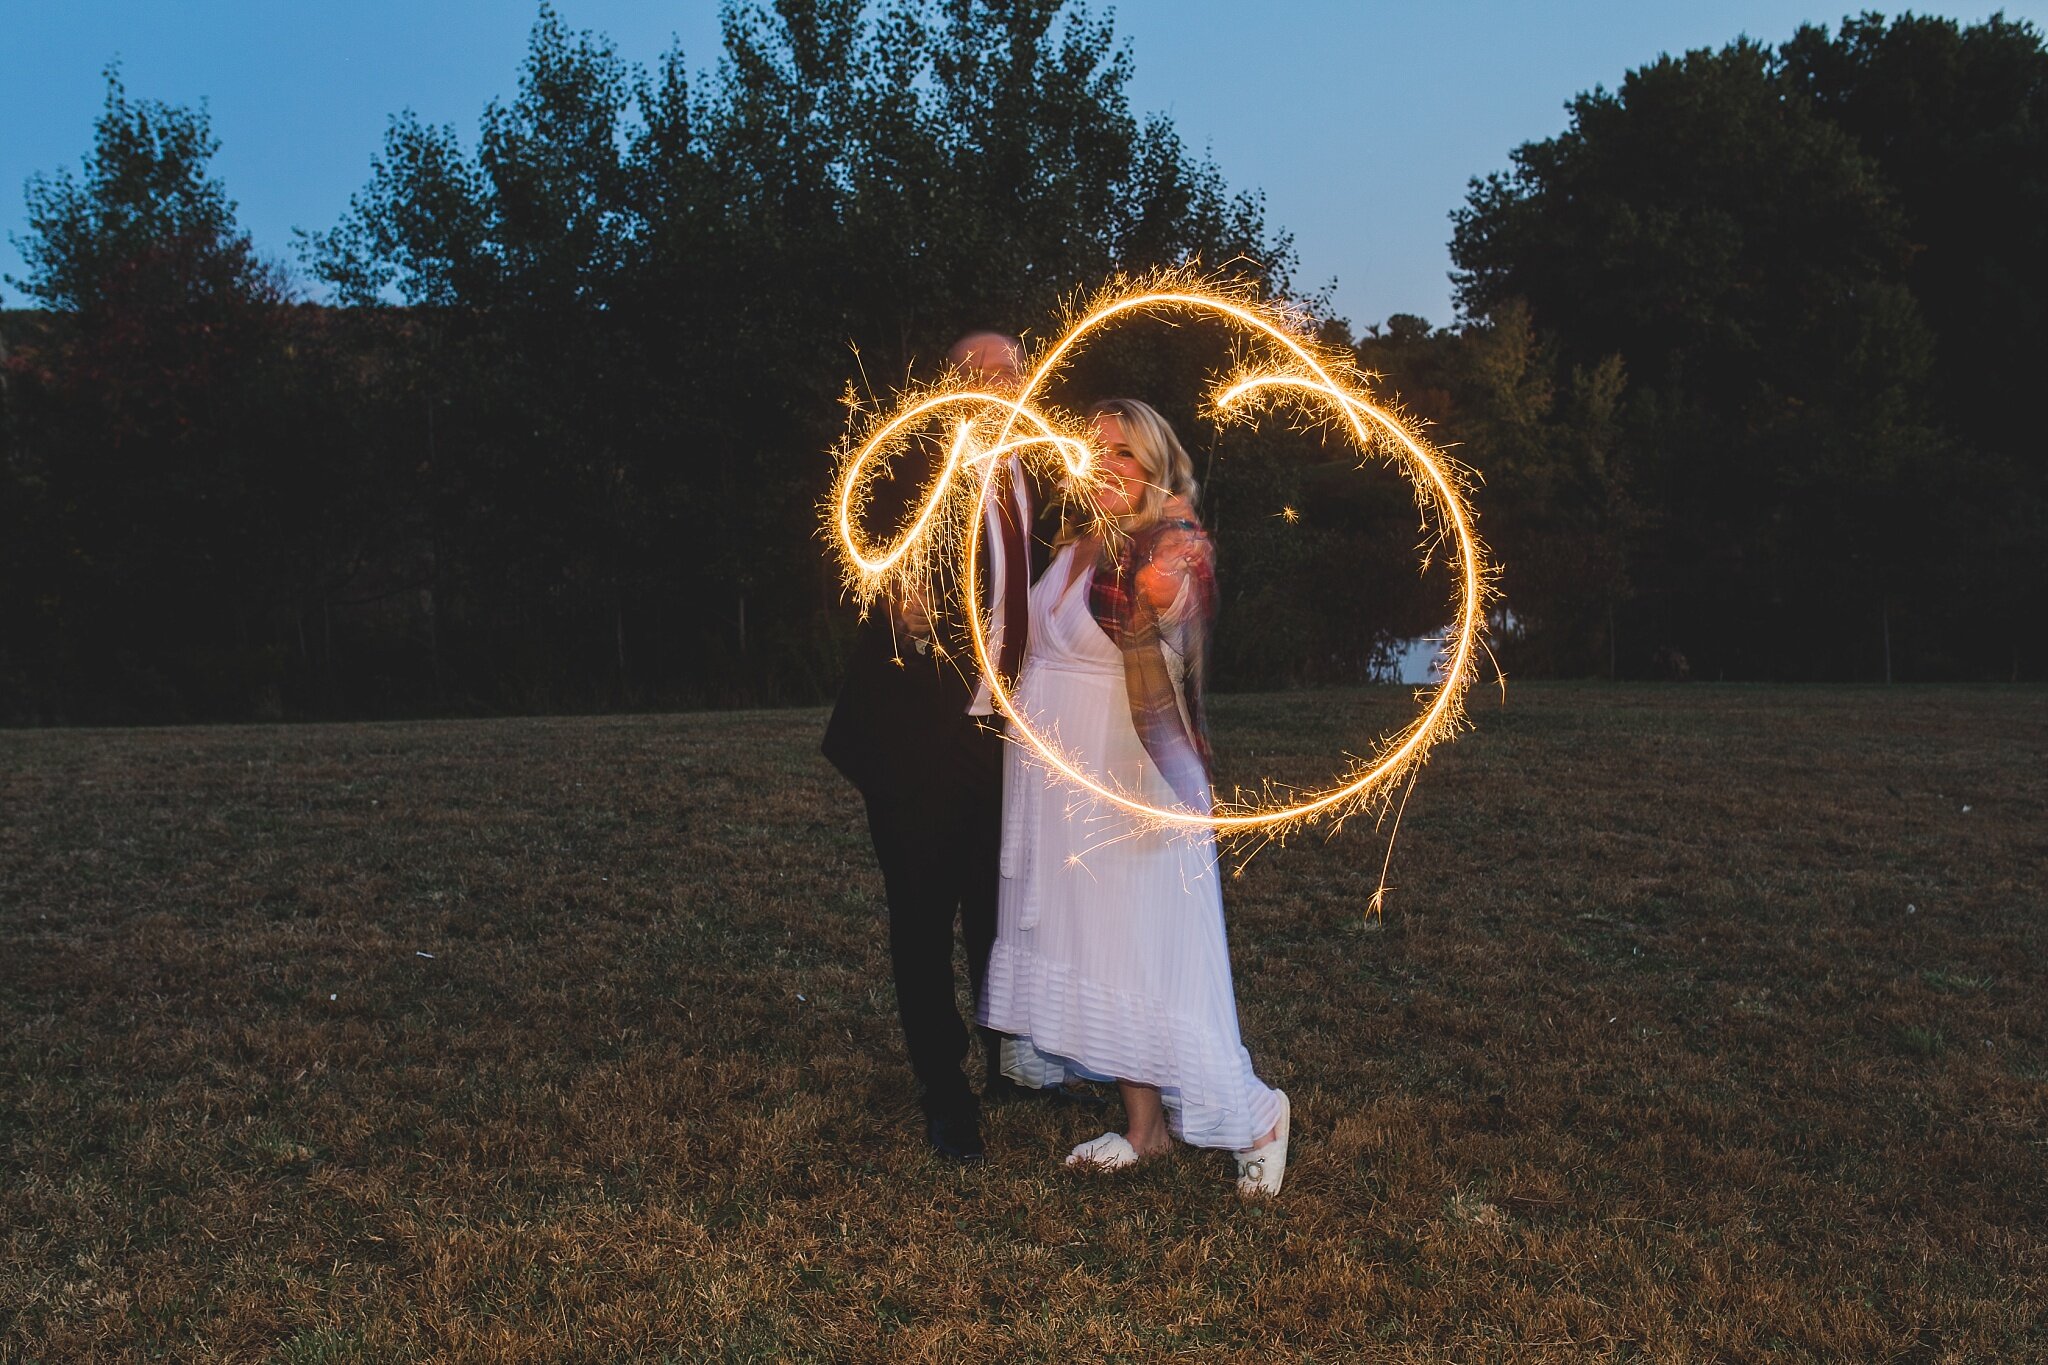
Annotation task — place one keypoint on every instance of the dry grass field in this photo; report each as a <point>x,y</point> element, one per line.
<point>1705,1024</point>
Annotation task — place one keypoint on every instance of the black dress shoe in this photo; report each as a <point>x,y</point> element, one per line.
<point>1065,1097</point>
<point>1000,1089</point>
<point>955,1135</point>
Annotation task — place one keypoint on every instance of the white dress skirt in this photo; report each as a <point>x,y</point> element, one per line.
<point>1110,961</point>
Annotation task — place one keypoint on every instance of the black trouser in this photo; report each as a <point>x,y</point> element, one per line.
<point>939,861</point>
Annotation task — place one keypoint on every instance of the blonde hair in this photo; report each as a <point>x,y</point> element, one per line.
<point>1168,470</point>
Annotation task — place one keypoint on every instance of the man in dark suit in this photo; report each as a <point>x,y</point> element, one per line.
<point>913,730</point>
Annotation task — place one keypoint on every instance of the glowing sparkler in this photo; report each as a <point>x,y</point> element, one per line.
<point>1283,369</point>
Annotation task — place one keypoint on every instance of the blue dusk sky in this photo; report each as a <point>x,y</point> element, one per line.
<point>1362,121</point>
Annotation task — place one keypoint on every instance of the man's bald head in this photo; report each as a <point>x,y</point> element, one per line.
<point>997,359</point>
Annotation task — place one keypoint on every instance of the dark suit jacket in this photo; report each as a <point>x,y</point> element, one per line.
<point>900,732</point>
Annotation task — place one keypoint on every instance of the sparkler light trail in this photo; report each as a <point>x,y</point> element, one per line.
<point>1282,370</point>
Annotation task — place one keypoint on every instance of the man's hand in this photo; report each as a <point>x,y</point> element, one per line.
<point>913,615</point>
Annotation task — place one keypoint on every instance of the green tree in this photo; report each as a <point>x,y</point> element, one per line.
<point>516,261</point>
<point>661,285</point>
<point>1956,119</point>
<point>140,425</point>
<point>1558,470</point>
<point>1744,259</point>
<point>145,227</point>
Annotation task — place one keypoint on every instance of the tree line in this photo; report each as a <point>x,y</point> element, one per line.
<point>1738,364</point>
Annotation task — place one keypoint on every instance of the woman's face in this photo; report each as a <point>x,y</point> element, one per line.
<point>1122,479</point>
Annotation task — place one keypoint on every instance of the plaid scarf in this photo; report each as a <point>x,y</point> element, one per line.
<point>1180,750</point>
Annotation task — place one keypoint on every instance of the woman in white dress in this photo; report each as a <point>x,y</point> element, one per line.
<point>1110,961</point>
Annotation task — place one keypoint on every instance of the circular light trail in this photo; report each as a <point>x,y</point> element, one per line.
<point>1282,368</point>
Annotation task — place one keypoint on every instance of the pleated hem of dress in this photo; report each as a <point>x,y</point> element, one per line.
<point>1082,1027</point>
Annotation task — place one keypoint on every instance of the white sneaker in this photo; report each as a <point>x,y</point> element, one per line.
<point>1261,1169</point>
<point>1110,1152</point>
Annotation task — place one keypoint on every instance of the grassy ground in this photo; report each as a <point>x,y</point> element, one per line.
<point>1705,1024</point>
